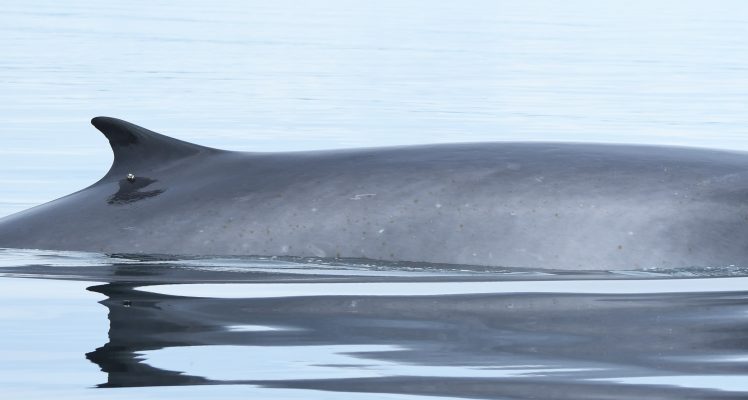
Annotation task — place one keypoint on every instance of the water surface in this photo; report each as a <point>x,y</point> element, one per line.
<point>283,75</point>
<point>283,327</point>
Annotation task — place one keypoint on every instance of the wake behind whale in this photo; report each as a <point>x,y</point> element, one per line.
<point>516,205</point>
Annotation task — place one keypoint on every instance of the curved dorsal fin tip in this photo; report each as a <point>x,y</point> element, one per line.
<point>135,145</point>
<point>119,132</point>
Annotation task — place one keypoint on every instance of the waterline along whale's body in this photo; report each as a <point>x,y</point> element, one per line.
<point>539,205</point>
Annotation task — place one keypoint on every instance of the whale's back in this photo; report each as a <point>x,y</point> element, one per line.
<point>580,206</point>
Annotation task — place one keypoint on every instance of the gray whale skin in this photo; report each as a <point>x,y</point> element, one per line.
<point>522,205</point>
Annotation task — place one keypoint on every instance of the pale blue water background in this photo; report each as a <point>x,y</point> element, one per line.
<point>295,75</point>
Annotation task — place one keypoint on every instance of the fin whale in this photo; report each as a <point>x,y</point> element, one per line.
<point>534,205</point>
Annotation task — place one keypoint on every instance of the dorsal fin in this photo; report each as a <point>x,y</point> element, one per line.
<point>137,149</point>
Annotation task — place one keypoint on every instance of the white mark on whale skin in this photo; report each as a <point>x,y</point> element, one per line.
<point>318,252</point>
<point>363,196</point>
<point>257,328</point>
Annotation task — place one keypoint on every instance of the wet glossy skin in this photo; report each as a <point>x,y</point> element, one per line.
<point>573,206</point>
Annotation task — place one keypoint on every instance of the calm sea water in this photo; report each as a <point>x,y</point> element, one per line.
<point>284,75</point>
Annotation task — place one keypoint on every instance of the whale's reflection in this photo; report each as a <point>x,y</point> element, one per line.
<point>508,345</point>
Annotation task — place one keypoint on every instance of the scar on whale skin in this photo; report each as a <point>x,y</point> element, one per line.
<point>129,192</point>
